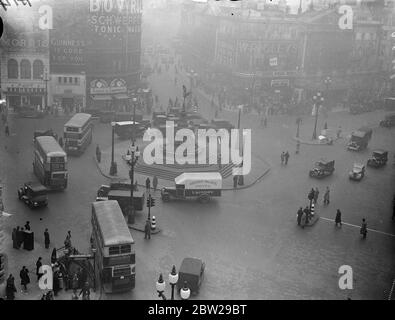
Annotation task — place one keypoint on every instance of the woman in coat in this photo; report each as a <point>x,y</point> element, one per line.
<point>10,289</point>
<point>25,279</point>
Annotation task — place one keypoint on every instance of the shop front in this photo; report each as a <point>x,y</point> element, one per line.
<point>26,96</point>
<point>111,95</point>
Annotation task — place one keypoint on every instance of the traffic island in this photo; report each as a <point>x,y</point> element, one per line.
<point>166,173</point>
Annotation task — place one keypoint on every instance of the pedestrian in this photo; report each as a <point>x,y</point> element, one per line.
<point>286,157</point>
<point>7,130</point>
<point>56,284</point>
<point>147,229</point>
<point>27,226</point>
<point>311,195</point>
<point>306,211</point>
<point>14,239</point>
<point>85,291</point>
<point>299,216</point>
<point>46,239</point>
<point>265,122</point>
<point>338,219</point>
<point>24,275</point>
<point>235,181</point>
<point>326,196</point>
<point>282,157</point>
<point>364,229</point>
<point>147,184</point>
<point>135,186</point>
<point>38,266</point>
<point>316,193</point>
<point>155,182</point>
<point>10,288</point>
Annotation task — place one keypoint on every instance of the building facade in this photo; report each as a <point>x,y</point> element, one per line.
<point>261,49</point>
<point>113,53</point>
<point>24,66</point>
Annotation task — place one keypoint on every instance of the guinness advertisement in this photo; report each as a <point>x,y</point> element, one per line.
<point>68,40</point>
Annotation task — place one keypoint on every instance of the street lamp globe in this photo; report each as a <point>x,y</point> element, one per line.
<point>185,292</point>
<point>160,284</point>
<point>173,276</point>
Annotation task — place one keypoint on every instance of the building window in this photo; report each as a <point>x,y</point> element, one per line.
<point>12,69</point>
<point>59,80</point>
<point>70,80</point>
<point>26,69</point>
<point>38,69</point>
<point>64,80</point>
<point>76,80</point>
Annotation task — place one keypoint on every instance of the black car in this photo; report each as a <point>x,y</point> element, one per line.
<point>34,194</point>
<point>322,169</point>
<point>379,158</point>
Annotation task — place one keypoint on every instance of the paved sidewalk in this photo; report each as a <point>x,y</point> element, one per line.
<point>20,258</point>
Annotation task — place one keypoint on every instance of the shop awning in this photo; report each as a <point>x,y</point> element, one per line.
<point>121,96</point>
<point>101,97</point>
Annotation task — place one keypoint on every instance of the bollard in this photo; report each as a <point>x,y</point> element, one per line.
<point>153,223</point>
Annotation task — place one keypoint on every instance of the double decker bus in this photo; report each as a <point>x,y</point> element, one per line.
<point>114,245</point>
<point>78,133</point>
<point>50,162</point>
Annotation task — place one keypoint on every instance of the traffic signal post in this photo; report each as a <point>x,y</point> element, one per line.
<point>150,203</point>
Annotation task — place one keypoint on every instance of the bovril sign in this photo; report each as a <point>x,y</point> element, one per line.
<point>115,6</point>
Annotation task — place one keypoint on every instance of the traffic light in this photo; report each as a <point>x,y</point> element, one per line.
<point>150,202</point>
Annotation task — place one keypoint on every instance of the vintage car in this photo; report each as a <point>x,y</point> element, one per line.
<point>357,172</point>
<point>322,169</point>
<point>379,159</point>
<point>191,274</point>
<point>325,140</point>
<point>120,191</point>
<point>389,121</point>
<point>34,194</point>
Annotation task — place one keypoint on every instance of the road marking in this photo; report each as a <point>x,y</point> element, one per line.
<point>355,226</point>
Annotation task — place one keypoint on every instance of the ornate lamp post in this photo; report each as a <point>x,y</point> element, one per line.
<point>318,100</point>
<point>327,82</point>
<point>45,78</point>
<point>135,154</point>
<point>160,287</point>
<point>113,168</point>
<point>173,278</point>
<point>185,292</point>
